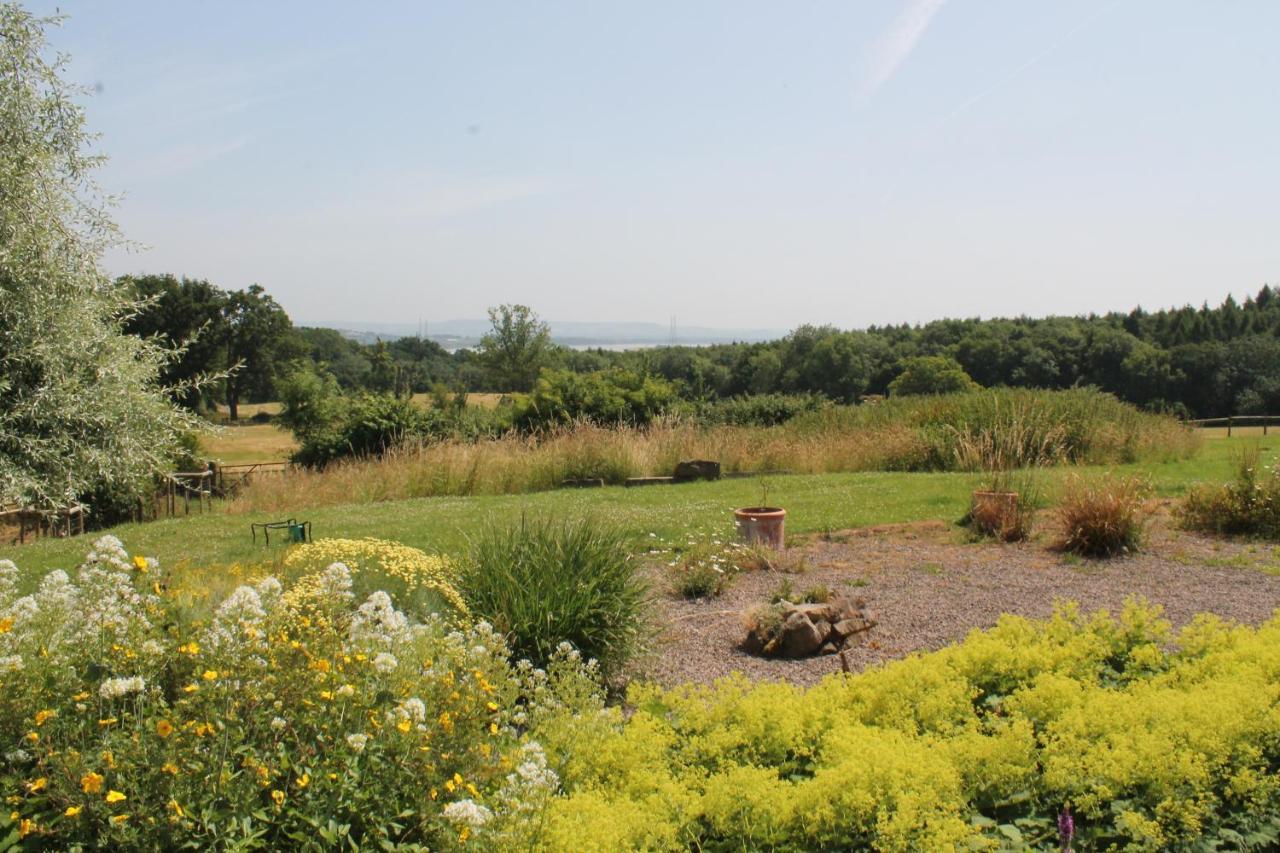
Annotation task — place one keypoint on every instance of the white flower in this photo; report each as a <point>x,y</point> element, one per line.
<point>10,663</point>
<point>414,709</point>
<point>278,723</point>
<point>114,688</point>
<point>377,622</point>
<point>346,691</point>
<point>385,662</point>
<point>18,756</point>
<point>467,813</point>
<point>357,741</point>
<point>335,583</point>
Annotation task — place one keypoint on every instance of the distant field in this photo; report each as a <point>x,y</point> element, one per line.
<point>250,442</point>
<point>246,442</point>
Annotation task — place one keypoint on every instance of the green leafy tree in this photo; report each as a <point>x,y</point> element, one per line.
<point>260,344</point>
<point>181,313</point>
<point>931,374</point>
<point>517,346</point>
<point>82,407</point>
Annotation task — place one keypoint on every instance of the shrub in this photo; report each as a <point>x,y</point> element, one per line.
<point>983,745</point>
<point>612,397</point>
<point>758,409</point>
<point>1248,507</point>
<point>1102,517</point>
<point>263,728</point>
<point>543,584</point>
<point>931,374</point>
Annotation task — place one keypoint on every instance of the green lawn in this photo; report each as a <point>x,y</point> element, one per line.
<point>814,502</point>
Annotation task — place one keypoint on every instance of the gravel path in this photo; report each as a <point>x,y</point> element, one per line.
<point>929,588</point>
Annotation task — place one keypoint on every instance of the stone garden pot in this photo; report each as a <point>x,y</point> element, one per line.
<point>763,524</point>
<point>994,512</point>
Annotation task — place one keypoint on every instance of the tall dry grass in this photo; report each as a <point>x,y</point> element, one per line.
<point>913,436</point>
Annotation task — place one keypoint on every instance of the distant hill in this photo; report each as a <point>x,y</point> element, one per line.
<point>465,333</point>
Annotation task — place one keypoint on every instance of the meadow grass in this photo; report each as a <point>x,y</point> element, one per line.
<point>249,442</point>
<point>220,541</point>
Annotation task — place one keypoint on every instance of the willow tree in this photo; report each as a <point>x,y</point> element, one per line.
<point>81,406</point>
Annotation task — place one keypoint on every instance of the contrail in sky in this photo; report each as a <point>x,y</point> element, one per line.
<point>896,45</point>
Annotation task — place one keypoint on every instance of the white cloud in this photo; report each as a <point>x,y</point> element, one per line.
<point>897,43</point>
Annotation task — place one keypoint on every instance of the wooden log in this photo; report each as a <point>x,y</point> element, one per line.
<point>648,481</point>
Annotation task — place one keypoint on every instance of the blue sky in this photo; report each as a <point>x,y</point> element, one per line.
<point>733,163</point>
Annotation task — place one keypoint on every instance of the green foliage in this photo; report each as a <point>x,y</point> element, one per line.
<point>931,374</point>
<point>291,717</point>
<point>543,583</point>
<point>614,397</point>
<point>516,347</point>
<point>1250,506</point>
<point>1102,517</point>
<point>82,408</point>
<point>757,409</point>
<point>366,425</point>
<point>1152,745</point>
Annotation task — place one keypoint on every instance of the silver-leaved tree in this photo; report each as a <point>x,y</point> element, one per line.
<point>81,408</point>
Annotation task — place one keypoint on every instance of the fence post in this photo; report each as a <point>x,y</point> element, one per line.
<point>1230,421</point>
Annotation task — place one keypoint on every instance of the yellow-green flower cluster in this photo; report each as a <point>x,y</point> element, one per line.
<point>409,568</point>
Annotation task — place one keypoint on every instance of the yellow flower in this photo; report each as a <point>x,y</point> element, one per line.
<point>72,811</point>
<point>493,728</point>
<point>43,717</point>
<point>115,797</point>
<point>140,563</point>
<point>492,706</point>
<point>109,758</point>
<point>170,768</point>
<point>320,665</point>
<point>91,783</point>
<point>404,725</point>
<point>33,737</point>
<point>109,721</point>
<point>326,694</point>
<point>210,675</point>
<point>446,721</point>
<point>80,697</point>
<point>190,688</point>
<point>303,781</point>
<point>119,819</point>
<point>37,785</point>
<point>176,808</point>
<point>164,728</point>
<point>26,827</point>
<point>277,797</point>
<point>190,648</point>
<point>6,625</point>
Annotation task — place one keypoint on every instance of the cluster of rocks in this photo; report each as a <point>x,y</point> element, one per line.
<point>789,630</point>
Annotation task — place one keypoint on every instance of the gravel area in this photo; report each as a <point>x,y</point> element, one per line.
<point>929,588</point>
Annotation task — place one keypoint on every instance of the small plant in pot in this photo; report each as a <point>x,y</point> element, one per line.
<point>763,524</point>
<point>1003,506</point>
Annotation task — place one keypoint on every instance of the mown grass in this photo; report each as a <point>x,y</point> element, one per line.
<point>815,503</point>
<point>249,442</point>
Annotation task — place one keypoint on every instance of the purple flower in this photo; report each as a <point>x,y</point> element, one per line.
<point>1066,828</point>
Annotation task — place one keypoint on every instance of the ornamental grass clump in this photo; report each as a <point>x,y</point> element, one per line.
<point>348,724</point>
<point>544,583</point>
<point>1250,506</point>
<point>1102,517</point>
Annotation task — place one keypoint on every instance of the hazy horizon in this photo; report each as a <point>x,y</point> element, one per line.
<point>741,165</point>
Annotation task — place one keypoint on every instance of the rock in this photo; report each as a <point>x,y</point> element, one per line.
<point>697,469</point>
<point>799,637</point>
<point>799,630</point>
<point>853,625</point>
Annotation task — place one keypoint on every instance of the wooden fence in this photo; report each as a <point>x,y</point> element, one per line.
<point>227,479</point>
<point>1233,421</point>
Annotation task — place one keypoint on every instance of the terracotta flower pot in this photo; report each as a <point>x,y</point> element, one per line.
<point>763,524</point>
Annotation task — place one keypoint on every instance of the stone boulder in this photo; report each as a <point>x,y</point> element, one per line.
<point>789,630</point>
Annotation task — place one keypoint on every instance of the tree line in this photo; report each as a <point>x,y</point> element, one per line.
<point>1195,362</point>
